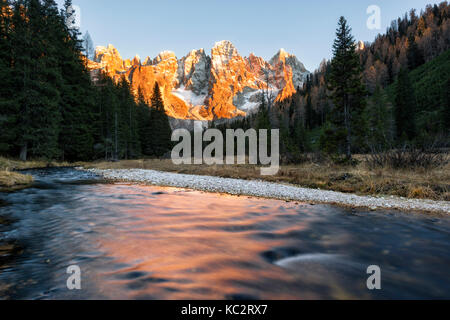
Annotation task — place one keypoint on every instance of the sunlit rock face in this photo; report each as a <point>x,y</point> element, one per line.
<point>223,85</point>
<point>283,60</point>
<point>229,76</point>
<point>163,69</point>
<point>110,61</point>
<point>194,72</point>
<point>289,74</point>
<point>361,45</point>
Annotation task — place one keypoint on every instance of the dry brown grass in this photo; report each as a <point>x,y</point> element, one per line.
<point>11,164</point>
<point>361,179</point>
<point>413,183</point>
<point>10,180</point>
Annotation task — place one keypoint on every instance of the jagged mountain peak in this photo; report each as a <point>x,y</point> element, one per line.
<point>164,55</point>
<point>136,60</point>
<point>109,47</point>
<point>225,49</point>
<point>223,43</point>
<point>196,51</point>
<point>283,59</point>
<point>204,87</point>
<point>110,50</point>
<point>147,61</point>
<point>283,53</point>
<point>280,56</point>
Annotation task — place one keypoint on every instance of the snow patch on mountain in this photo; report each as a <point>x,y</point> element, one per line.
<point>249,101</point>
<point>222,85</point>
<point>189,96</point>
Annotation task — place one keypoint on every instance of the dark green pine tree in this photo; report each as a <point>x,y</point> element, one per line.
<point>309,112</point>
<point>300,136</point>
<point>160,138</point>
<point>348,93</point>
<point>413,53</point>
<point>262,117</point>
<point>287,146</point>
<point>9,108</point>
<point>107,106</point>
<point>120,121</point>
<point>378,115</point>
<point>446,108</point>
<point>144,123</point>
<point>78,96</point>
<point>262,122</point>
<point>405,108</point>
<point>36,81</point>
<point>128,121</point>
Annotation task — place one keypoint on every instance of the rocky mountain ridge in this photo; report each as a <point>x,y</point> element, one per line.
<point>222,85</point>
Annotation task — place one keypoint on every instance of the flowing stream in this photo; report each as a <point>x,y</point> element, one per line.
<point>145,242</point>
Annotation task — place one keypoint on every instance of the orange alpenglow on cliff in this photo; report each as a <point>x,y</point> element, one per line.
<point>223,85</point>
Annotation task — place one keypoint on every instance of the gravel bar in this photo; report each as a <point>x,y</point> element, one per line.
<point>272,190</point>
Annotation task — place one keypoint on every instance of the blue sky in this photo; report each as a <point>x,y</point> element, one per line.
<point>304,28</point>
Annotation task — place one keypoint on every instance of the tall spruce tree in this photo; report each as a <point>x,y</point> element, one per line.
<point>144,123</point>
<point>348,92</point>
<point>300,136</point>
<point>36,79</point>
<point>446,108</point>
<point>160,138</point>
<point>128,116</point>
<point>9,109</point>
<point>49,108</point>
<point>309,112</point>
<point>262,117</point>
<point>405,107</point>
<point>378,115</point>
<point>77,94</point>
<point>413,53</point>
<point>262,121</point>
<point>107,105</point>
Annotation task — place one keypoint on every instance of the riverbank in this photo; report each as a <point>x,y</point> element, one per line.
<point>424,190</point>
<point>417,183</point>
<point>11,180</point>
<point>14,164</point>
<point>265,189</point>
<point>433,184</point>
<point>150,242</point>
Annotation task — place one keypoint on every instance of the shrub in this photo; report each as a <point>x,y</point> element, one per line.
<point>408,157</point>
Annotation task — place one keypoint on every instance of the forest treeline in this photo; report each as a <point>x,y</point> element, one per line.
<point>49,107</point>
<point>387,94</point>
<point>381,96</point>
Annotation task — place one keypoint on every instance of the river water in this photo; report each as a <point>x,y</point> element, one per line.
<point>145,242</point>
